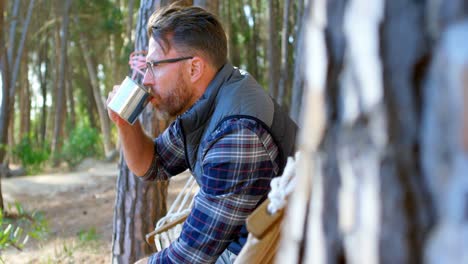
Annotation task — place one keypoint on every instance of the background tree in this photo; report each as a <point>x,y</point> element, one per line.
<point>61,99</point>
<point>382,126</point>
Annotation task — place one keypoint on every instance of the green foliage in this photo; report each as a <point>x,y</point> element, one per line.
<point>88,235</point>
<point>84,141</point>
<point>16,229</point>
<point>31,155</point>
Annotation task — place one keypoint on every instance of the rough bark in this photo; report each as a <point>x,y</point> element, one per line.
<point>380,178</point>
<point>444,152</point>
<point>61,99</point>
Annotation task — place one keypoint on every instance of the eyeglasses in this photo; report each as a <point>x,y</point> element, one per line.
<point>151,64</point>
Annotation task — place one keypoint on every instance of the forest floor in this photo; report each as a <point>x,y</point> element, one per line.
<point>78,207</point>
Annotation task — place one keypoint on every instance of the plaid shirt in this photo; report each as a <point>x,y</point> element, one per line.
<point>239,161</point>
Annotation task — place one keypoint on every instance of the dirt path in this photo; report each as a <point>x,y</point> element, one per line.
<point>75,202</point>
<point>72,202</point>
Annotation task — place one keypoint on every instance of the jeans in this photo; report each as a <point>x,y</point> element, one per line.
<point>226,258</point>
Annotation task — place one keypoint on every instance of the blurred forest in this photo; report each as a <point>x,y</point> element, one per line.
<point>383,141</point>
<point>59,59</point>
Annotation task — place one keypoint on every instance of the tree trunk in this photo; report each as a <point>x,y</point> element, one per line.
<point>233,47</point>
<point>12,33</point>
<point>103,117</point>
<point>253,43</point>
<point>383,165</point>
<point>298,79</point>
<point>4,72</point>
<point>43,76</point>
<point>92,107</point>
<point>273,61</point>
<point>138,204</point>
<point>10,78</point>
<point>25,101</point>
<point>70,98</point>
<point>61,100</point>
<point>283,81</point>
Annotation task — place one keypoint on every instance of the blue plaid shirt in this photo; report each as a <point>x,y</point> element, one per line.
<point>239,160</point>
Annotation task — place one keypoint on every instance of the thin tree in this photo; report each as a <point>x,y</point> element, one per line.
<point>5,85</point>
<point>283,81</point>
<point>10,76</point>
<point>273,58</point>
<point>103,117</point>
<point>61,99</point>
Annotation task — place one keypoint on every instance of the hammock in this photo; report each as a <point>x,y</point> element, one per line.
<point>168,228</point>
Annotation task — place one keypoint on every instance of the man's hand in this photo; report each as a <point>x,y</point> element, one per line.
<point>113,115</point>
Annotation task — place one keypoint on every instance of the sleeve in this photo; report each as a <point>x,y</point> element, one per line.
<point>169,157</point>
<point>237,170</point>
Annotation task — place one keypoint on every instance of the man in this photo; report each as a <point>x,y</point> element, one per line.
<point>228,132</point>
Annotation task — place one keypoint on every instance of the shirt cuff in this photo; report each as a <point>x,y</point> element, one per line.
<point>152,171</point>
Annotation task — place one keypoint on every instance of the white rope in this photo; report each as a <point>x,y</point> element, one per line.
<point>180,203</point>
<point>282,186</point>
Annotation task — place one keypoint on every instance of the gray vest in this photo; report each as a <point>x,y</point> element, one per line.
<point>234,94</point>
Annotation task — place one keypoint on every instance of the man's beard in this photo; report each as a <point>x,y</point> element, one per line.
<point>176,101</point>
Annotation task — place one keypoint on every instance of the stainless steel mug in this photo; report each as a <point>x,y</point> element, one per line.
<point>129,100</point>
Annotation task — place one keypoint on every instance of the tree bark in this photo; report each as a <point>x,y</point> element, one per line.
<point>61,99</point>
<point>283,81</point>
<point>382,150</point>
<point>273,61</point>
<point>138,204</point>
<point>25,101</point>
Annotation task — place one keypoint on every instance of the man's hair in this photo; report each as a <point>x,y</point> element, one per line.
<point>189,29</point>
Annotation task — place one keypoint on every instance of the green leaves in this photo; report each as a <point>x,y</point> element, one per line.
<point>16,229</point>
<point>83,142</point>
<point>31,155</point>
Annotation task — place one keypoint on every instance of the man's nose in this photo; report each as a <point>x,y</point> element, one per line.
<point>148,80</point>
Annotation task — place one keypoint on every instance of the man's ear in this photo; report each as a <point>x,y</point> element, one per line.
<point>197,68</point>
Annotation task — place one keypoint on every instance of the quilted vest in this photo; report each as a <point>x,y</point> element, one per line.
<point>234,94</point>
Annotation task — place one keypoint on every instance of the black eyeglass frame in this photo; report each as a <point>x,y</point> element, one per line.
<point>151,64</point>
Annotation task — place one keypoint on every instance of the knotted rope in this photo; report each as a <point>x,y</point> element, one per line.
<point>137,63</point>
<point>282,186</point>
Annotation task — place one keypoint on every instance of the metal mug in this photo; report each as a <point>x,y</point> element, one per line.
<point>129,100</point>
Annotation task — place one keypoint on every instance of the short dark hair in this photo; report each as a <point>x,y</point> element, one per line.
<point>189,29</point>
